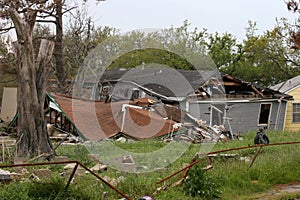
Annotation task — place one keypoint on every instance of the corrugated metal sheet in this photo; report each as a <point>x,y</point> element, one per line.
<point>98,120</point>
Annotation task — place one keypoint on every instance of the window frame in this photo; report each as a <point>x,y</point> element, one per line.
<point>293,112</point>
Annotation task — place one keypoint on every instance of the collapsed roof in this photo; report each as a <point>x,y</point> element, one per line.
<point>238,89</point>
<point>97,120</point>
<point>158,80</point>
<point>169,82</point>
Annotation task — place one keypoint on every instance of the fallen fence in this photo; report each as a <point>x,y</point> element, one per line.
<point>72,174</point>
<point>195,161</point>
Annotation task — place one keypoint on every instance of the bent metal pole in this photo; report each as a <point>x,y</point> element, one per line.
<point>225,150</point>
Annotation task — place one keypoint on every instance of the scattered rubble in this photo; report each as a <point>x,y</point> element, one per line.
<point>126,163</point>
<point>4,176</point>
<point>7,176</point>
<point>198,132</point>
<point>224,155</point>
<point>60,136</point>
<point>121,140</point>
<point>114,181</point>
<point>42,173</point>
<point>99,168</point>
<point>33,177</point>
<point>111,181</point>
<point>245,159</point>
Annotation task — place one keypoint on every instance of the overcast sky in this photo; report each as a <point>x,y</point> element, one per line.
<point>221,16</point>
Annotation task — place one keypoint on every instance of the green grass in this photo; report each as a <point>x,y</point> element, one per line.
<point>274,165</point>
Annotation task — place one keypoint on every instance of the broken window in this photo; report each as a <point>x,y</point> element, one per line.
<point>264,113</point>
<point>135,93</point>
<point>216,115</point>
<point>296,112</point>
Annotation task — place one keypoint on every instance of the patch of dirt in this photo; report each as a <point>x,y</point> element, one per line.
<point>291,187</point>
<point>281,189</point>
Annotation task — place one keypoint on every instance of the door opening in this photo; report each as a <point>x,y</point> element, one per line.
<point>264,114</point>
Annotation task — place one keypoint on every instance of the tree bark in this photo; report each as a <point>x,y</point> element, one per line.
<point>58,51</point>
<point>33,138</point>
<point>32,76</point>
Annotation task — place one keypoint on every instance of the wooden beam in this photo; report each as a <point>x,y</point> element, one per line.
<point>227,83</point>
<point>258,92</point>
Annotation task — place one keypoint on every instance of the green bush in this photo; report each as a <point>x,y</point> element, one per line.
<point>198,183</point>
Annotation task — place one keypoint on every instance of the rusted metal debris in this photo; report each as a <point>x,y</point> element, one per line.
<point>196,161</point>
<point>254,158</point>
<point>72,174</point>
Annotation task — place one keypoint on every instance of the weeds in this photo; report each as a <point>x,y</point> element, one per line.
<point>198,183</point>
<point>274,165</point>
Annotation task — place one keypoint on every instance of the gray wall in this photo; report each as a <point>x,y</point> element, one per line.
<point>244,115</point>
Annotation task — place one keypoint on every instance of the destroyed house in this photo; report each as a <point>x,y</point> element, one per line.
<point>218,99</point>
<point>97,120</point>
<point>158,83</point>
<point>243,106</point>
<point>207,96</point>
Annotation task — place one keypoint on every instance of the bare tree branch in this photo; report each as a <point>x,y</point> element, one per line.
<point>68,10</point>
<point>17,21</point>
<point>5,30</point>
<point>45,13</point>
<point>46,21</point>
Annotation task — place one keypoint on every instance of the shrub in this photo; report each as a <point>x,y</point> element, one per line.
<point>198,183</point>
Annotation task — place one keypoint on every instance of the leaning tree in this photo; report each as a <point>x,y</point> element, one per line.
<point>32,73</point>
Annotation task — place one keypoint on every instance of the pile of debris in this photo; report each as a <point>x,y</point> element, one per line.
<point>141,118</point>
<point>200,133</point>
<point>59,136</point>
<point>187,128</point>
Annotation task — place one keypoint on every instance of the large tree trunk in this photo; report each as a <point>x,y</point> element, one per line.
<point>32,76</point>
<point>58,51</point>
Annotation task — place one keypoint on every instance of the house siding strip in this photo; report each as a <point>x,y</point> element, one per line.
<point>289,125</point>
